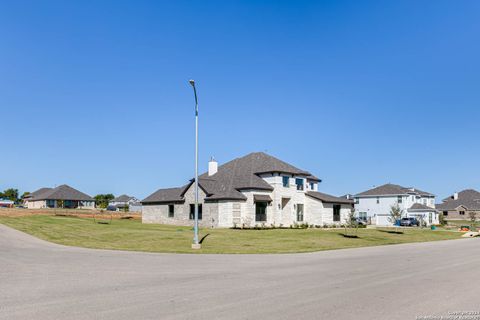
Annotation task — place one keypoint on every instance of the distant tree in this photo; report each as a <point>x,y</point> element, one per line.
<point>396,213</point>
<point>473,218</point>
<point>11,194</point>
<point>24,195</point>
<point>101,200</point>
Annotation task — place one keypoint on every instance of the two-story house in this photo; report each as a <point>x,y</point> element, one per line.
<point>374,205</point>
<point>252,190</point>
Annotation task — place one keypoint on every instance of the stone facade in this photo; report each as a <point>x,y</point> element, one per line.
<point>159,213</point>
<point>281,211</point>
<point>42,204</point>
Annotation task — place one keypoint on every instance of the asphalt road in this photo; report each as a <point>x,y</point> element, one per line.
<point>40,280</point>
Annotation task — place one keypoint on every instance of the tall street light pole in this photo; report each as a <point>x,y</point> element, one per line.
<point>196,244</point>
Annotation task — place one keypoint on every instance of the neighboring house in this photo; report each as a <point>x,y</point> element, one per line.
<point>458,205</point>
<point>252,190</point>
<point>125,201</point>
<point>60,197</point>
<point>135,207</point>
<point>374,205</point>
<point>5,203</point>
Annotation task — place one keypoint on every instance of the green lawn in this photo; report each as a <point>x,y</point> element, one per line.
<point>133,235</point>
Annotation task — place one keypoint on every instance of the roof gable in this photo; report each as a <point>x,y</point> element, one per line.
<point>328,198</point>
<point>123,198</point>
<point>469,199</point>
<point>393,189</point>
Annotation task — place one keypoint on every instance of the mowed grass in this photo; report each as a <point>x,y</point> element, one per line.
<point>133,235</point>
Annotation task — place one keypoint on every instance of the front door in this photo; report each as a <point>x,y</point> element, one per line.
<point>261,211</point>
<point>300,212</point>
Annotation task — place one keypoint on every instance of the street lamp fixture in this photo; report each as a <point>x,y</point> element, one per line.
<point>196,244</point>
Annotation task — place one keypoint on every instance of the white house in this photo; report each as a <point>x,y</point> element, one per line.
<point>62,196</point>
<point>252,190</point>
<point>374,205</point>
<point>5,203</point>
<point>125,201</point>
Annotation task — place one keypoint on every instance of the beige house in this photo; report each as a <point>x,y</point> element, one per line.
<point>62,196</point>
<point>256,189</point>
<point>459,204</point>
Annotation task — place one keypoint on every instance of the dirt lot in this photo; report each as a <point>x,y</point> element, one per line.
<point>14,212</point>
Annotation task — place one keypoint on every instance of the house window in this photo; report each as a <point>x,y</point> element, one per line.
<point>462,213</point>
<point>357,200</point>
<point>399,199</point>
<point>171,210</point>
<point>424,201</point>
<point>362,216</point>
<point>286,181</point>
<point>261,211</point>
<point>336,212</point>
<point>312,185</point>
<point>445,213</point>
<point>300,212</point>
<point>299,183</point>
<point>192,211</point>
<point>51,203</point>
<point>378,200</point>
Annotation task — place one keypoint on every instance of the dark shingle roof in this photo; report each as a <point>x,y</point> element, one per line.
<point>328,198</point>
<point>419,206</point>
<point>392,189</point>
<point>166,195</point>
<point>63,192</point>
<point>123,198</point>
<point>238,174</point>
<point>469,198</point>
<point>37,193</point>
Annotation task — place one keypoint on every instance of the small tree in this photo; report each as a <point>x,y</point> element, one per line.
<point>102,200</point>
<point>473,219</point>
<point>421,220</point>
<point>351,222</point>
<point>441,219</point>
<point>396,214</point>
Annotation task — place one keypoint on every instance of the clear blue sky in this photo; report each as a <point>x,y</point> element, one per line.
<point>95,94</point>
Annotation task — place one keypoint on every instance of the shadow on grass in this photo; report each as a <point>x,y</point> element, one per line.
<point>390,231</point>
<point>352,236</point>
<point>203,238</point>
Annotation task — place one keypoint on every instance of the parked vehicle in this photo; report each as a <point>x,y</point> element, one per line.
<point>111,208</point>
<point>409,222</point>
<point>361,222</point>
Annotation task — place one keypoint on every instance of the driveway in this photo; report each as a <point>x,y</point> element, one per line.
<point>41,280</point>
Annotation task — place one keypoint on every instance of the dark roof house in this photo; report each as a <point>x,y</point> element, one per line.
<point>63,192</point>
<point>239,174</point>
<point>468,199</point>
